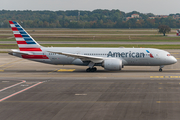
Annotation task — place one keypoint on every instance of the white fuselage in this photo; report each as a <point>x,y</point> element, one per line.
<point>129,56</point>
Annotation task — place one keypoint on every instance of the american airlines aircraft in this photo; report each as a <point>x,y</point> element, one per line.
<point>112,59</point>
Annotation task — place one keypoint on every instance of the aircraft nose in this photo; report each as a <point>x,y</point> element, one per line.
<point>173,60</point>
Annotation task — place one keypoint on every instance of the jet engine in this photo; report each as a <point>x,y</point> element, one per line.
<point>112,64</point>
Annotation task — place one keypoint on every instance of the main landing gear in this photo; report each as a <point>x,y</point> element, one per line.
<point>91,69</point>
<point>160,68</point>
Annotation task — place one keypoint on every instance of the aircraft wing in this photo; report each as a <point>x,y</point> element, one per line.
<point>82,57</point>
<point>21,52</point>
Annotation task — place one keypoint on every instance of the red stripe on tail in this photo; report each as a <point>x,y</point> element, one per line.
<point>14,29</point>
<point>21,42</point>
<point>30,49</point>
<point>18,35</point>
<point>10,22</point>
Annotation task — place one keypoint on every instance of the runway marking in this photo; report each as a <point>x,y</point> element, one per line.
<point>62,70</point>
<point>10,62</point>
<point>66,70</point>
<point>52,71</point>
<point>175,77</point>
<point>174,53</point>
<point>156,76</point>
<point>12,86</point>
<point>123,102</point>
<point>19,91</point>
<point>167,101</point>
<point>11,65</point>
<point>5,81</point>
<point>80,94</point>
<point>171,83</point>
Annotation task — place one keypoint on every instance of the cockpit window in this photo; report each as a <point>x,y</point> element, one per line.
<point>168,54</point>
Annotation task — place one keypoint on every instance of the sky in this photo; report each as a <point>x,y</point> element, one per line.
<point>157,7</point>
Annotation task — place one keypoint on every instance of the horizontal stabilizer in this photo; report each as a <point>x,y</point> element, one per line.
<point>21,52</point>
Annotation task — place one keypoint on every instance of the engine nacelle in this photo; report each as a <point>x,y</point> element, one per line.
<point>112,64</point>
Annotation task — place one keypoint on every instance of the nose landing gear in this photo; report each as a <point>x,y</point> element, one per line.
<point>160,68</point>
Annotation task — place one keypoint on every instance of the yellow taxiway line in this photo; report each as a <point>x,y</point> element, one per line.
<point>164,76</point>
<point>52,71</point>
<point>62,70</point>
<point>174,53</point>
<point>10,62</point>
<point>167,101</point>
<point>66,70</point>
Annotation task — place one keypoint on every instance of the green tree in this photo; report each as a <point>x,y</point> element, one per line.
<point>164,29</point>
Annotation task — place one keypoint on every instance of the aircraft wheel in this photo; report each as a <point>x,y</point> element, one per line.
<point>88,70</point>
<point>93,69</point>
<point>160,70</point>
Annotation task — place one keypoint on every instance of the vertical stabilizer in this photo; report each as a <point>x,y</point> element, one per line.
<point>178,32</point>
<point>23,39</point>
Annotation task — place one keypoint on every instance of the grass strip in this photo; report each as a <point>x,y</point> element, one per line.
<point>14,46</point>
<point>4,52</point>
<point>115,46</point>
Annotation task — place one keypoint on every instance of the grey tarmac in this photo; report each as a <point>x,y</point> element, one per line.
<point>52,92</point>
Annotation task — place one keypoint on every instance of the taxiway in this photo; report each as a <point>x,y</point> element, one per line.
<point>31,90</point>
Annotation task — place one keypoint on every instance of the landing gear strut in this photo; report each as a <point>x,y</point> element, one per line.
<point>160,68</point>
<point>91,69</point>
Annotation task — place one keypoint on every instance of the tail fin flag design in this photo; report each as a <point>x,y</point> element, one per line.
<point>178,32</point>
<point>24,40</point>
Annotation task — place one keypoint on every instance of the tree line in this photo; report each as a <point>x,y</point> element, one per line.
<point>84,19</point>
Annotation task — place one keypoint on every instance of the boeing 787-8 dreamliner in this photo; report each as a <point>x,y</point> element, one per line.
<point>112,59</point>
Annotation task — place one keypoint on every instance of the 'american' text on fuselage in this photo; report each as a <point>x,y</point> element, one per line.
<point>126,54</point>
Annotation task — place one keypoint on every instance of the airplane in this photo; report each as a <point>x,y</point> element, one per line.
<point>111,59</point>
<point>178,32</point>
